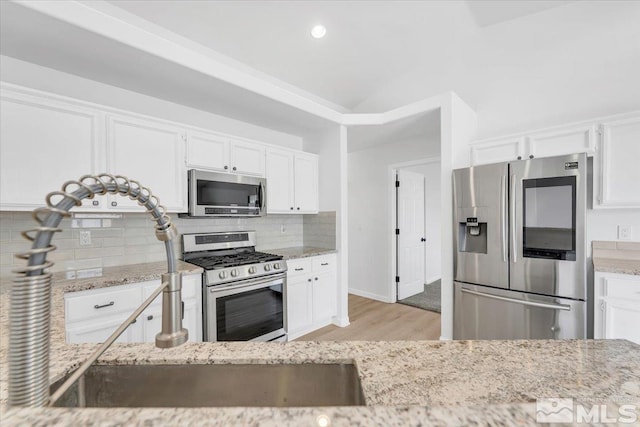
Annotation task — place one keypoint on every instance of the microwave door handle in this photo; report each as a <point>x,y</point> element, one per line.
<point>262,196</point>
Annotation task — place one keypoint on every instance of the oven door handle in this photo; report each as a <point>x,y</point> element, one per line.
<point>255,283</point>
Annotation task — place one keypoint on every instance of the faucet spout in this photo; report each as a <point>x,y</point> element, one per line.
<point>31,291</point>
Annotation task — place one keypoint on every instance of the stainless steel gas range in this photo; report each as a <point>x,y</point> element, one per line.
<point>243,292</point>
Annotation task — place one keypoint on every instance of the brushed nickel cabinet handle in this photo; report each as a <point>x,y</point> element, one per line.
<point>104,305</point>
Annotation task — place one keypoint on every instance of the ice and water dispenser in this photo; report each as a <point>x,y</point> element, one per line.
<point>472,234</point>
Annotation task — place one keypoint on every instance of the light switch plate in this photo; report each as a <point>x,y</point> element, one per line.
<point>625,232</point>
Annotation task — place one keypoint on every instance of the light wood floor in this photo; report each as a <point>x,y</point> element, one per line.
<point>372,320</point>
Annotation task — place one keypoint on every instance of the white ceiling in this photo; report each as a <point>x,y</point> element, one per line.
<point>368,43</point>
<point>517,63</point>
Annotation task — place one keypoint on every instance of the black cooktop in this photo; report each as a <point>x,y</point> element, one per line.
<point>215,262</point>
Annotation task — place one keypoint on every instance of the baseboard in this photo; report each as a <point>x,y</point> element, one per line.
<point>444,339</point>
<point>432,279</point>
<point>370,295</point>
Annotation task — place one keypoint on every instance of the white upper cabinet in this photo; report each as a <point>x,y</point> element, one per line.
<point>292,182</point>
<point>614,143</point>
<point>306,183</point>
<point>497,150</point>
<point>150,152</point>
<point>579,139</point>
<point>548,143</point>
<point>210,151</point>
<point>44,143</point>
<point>247,158</point>
<point>280,176</point>
<point>616,172</point>
<point>207,151</point>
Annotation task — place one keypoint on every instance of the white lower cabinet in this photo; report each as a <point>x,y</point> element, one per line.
<point>299,305</point>
<point>91,316</point>
<point>311,294</point>
<point>617,306</point>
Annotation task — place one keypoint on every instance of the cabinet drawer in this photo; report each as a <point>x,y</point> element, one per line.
<point>622,288</point>
<point>299,266</point>
<point>98,303</point>
<point>323,263</point>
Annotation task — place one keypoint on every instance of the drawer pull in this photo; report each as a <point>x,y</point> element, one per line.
<point>299,269</point>
<point>150,317</point>
<point>324,263</point>
<point>104,305</point>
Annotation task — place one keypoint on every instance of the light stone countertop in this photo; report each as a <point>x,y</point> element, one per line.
<point>404,382</point>
<point>616,257</point>
<point>300,252</point>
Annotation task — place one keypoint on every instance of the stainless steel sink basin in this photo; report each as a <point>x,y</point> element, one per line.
<point>215,385</point>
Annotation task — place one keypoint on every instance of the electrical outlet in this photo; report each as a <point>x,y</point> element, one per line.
<point>625,232</point>
<point>85,238</point>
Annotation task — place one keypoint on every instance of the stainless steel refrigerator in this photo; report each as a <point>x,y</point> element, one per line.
<point>520,249</point>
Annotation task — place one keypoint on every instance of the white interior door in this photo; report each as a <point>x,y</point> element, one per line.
<point>410,240</point>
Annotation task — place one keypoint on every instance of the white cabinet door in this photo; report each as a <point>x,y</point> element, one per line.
<point>621,319</point>
<point>207,151</point>
<point>305,183</point>
<point>499,150</point>
<point>44,144</point>
<point>151,153</point>
<point>616,174</point>
<point>299,304</point>
<point>280,181</point>
<point>98,331</point>
<point>192,320</point>
<point>324,297</point>
<point>247,158</point>
<point>581,139</point>
<point>151,321</point>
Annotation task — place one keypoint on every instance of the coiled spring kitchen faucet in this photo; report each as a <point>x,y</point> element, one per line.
<point>31,291</point>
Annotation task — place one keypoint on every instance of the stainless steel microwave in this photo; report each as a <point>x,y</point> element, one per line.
<point>225,194</point>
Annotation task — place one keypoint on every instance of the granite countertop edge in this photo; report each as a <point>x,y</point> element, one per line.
<point>296,252</point>
<point>616,265</point>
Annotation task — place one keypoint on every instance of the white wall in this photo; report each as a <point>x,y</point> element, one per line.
<point>433,250</point>
<point>369,211</point>
<point>50,80</point>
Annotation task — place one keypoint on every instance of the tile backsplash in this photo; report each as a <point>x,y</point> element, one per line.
<point>320,230</point>
<point>131,239</point>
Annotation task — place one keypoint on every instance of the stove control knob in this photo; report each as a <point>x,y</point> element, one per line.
<point>252,270</point>
<point>222,275</point>
<point>267,267</point>
<point>276,266</point>
<point>234,272</point>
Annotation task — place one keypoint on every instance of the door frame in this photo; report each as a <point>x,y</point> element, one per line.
<point>391,225</point>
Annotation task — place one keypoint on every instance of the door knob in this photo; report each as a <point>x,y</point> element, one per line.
<point>422,239</point>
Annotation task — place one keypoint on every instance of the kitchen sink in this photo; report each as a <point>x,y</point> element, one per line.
<point>283,385</point>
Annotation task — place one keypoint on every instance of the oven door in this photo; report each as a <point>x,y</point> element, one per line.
<point>251,310</point>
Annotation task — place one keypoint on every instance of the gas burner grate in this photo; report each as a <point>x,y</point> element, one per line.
<point>215,262</point>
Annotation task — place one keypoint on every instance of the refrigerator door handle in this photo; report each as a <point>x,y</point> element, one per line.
<point>563,307</point>
<point>512,201</point>
<point>504,230</point>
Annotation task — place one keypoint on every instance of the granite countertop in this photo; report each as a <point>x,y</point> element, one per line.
<point>404,382</point>
<point>300,252</point>
<point>616,257</point>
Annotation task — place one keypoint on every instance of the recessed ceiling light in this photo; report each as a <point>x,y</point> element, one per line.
<point>318,31</point>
